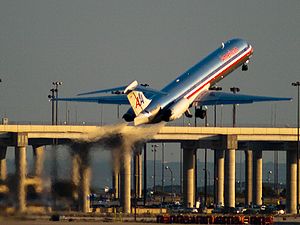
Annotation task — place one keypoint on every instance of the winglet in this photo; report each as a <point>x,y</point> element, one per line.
<point>131,87</point>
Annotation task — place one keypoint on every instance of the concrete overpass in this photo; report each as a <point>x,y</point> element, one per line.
<point>224,141</point>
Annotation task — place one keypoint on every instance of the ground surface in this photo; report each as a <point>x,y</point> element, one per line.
<point>42,222</point>
<point>87,221</point>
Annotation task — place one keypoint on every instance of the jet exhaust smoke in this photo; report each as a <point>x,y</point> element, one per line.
<point>115,136</point>
<point>120,139</point>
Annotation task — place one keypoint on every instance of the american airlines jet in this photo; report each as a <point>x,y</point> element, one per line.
<point>192,88</point>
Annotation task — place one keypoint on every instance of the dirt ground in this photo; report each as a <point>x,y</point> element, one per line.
<point>12,221</point>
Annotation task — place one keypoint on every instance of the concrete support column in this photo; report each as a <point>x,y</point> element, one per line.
<point>81,175</point>
<point>116,160</point>
<point>125,181</point>
<point>257,177</point>
<point>298,168</point>
<point>248,177</point>
<point>215,178</point>
<point>219,176</point>
<point>138,173</point>
<point>291,181</point>
<point>85,175</point>
<point>116,182</point>
<point>75,174</point>
<point>230,178</point>
<point>38,154</point>
<point>20,162</point>
<point>188,177</point>
<point>3,168</point>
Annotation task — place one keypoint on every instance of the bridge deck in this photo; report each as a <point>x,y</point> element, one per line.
<point>154,132</point>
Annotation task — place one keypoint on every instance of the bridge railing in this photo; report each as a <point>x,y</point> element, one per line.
<point>179,123</point>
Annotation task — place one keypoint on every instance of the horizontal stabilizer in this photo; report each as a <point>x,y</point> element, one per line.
<point>118,100</point>
<point>223,98</point>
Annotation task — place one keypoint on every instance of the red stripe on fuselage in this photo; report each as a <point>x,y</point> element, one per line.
<point>222,71</point>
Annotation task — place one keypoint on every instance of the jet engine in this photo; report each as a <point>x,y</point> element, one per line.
<point>129,115</point>
<point>200,113</point>
<point>176,110</point>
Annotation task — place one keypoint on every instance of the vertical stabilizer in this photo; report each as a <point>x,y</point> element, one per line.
<point>137,99</point>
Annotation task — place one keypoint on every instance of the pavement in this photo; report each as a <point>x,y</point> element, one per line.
<point>44,220</point>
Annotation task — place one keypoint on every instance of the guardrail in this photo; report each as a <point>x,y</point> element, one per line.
<point>172,123</point>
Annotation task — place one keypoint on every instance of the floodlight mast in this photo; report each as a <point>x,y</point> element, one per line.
<point>297,84</point>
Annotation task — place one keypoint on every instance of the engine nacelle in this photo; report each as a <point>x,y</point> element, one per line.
<point>201,112</point>
<point>177,109</point>
<point>129,115</point>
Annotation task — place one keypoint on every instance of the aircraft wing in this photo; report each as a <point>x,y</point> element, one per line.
<point>118,99</point>
<point>223,98</point>
<point>120,90</point>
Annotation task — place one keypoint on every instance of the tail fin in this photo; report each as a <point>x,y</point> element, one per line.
<point>137,99</point>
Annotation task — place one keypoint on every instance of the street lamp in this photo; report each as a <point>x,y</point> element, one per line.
<point>215,88</point>
<point>297,84</point>
<point>145,174</point>
<point>154,163</point>
<point>118,106</point>
<point>239,183</point>
<point>269,179</point>
<point>51,98</point>
<point>54,94</point>
<point>162,166</point>
<point>206,172</point>
<point>56,84</point>
<point>234,90</point>
<point>168,168</point>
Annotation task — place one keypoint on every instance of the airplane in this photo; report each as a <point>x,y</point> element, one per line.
<point>192,88</point>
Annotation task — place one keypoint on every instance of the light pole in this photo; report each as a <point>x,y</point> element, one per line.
<point>154,162</point>
<point>118,111</point>
<point>54,95</point>
<point>51,97</point>
<point>162,166</point>
<point>168,168</point>
<point>239,183</point>
<point>207,173</point>
<point>215,88</point>
<point>181,171</point>
<point>269,179</point>
<point>118,106</point>
<point>56,84</point>
<point>205,168</point>
<point>205,177</point>
<point>297,84</point>
<point>234,90</point>
<point>145,174</point>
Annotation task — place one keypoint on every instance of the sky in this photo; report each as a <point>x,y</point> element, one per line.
<point>90,45</point>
